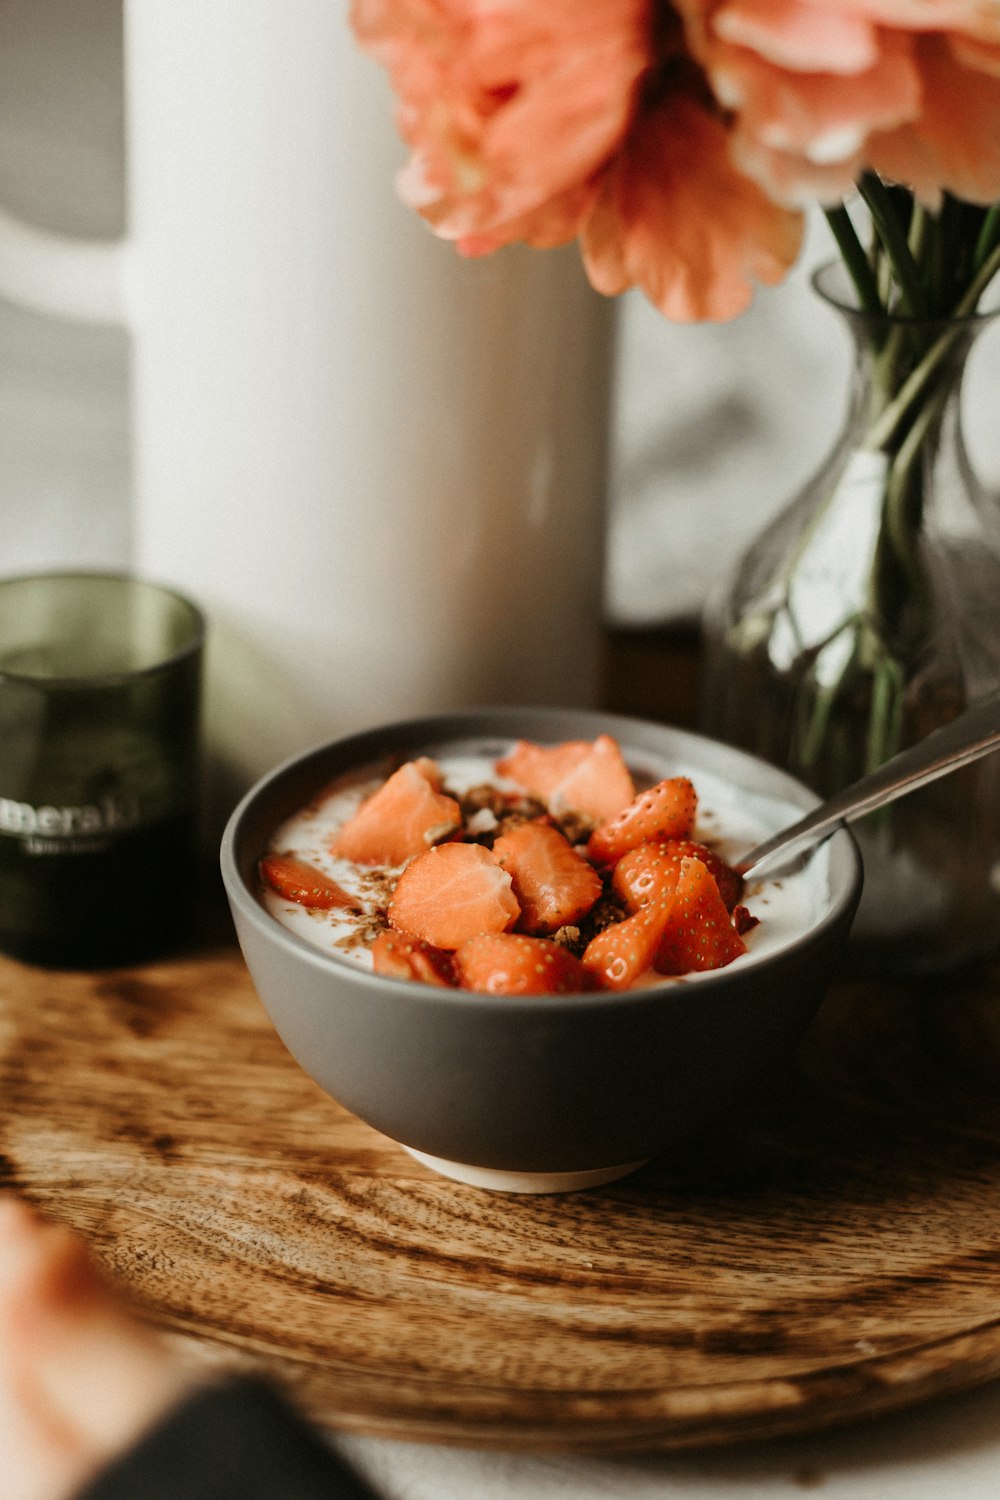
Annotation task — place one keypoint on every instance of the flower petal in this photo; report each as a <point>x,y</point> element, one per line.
<point>552,223</point>
<point>955,142</point>
<point>823,89</point>
<point>676,218</point>
<point>800,34</point>
<point>506,107</point>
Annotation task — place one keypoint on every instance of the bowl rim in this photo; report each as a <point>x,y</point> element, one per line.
<point>384,738</point>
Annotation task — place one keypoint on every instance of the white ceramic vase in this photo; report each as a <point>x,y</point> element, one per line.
<point>379,468</point>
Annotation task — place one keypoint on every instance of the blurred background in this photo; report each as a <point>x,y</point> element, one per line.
<point>64,427</point>
<point>715,426</point>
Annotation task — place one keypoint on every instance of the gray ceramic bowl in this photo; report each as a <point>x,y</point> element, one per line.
<point>529,1093</point>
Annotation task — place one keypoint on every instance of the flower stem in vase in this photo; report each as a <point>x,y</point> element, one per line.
<point>868,613</point>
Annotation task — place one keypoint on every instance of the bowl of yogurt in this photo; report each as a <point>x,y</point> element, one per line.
<point>475,1071</point>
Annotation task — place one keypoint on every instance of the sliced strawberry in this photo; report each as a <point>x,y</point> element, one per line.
<point>450,893</point>
<point>301,882</point>
<point>645,874</point>
<point>402,956</point>
<point>649,872</point>
<point>729,881</point>
<point>407,814</point>
<point>625,950</point>
<point>540,768</point>
<point>666,811</point>
<point>581,776</point>
<point>699,933</point>
<point>553,883</point>
<point>598,786</point>
<point>512,964</point>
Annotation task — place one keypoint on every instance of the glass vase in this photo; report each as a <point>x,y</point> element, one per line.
<point>868,614</point>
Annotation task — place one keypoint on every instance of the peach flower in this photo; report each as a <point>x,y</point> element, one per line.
<point>541,120</point>
<point>678,141</point>
<point>822,89</point>
<point>675,217</point>
<point>509,108</point>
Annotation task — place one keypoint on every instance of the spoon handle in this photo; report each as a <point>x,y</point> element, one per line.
<point>975,733</point>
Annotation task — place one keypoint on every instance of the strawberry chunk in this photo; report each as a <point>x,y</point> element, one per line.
<point>298,881</point>
<point>581,776</point>
<point>553,884</point>
<point>407,814</point>
<point>540,768</point>
<point>649,872</point>
<point>625,950</point>
<point>402,956</point>
<point>452,892</point>
<point>646,874</point>
<point>699,933</point>
<point>666,811</point>
<point>598,786</point>
<point>512,964</point>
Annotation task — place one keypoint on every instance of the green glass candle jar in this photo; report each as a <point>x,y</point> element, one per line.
<point>100,768</point>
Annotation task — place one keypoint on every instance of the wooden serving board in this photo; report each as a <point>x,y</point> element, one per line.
<point>832,1254</point>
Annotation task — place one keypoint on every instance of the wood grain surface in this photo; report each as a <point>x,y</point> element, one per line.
<point>832,1252</point>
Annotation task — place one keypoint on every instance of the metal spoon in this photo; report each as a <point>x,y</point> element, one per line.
<point>973,734</point>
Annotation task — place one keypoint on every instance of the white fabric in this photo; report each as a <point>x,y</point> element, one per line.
<point>946,1451</point>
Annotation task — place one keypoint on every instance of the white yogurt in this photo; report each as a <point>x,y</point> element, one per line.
<point>730,819</point>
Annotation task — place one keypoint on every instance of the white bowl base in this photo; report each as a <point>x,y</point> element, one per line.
<point>524,1182</point>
